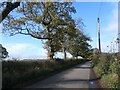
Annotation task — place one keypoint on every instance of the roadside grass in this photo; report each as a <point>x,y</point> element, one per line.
<point>109,80</point>
<point>97,71</point>
<point>107,67</point>
<point>20,73</point>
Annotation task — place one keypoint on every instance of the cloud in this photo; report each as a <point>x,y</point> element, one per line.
<point>110,31</point>
<point>29,51</point>
<point>61,55</point>
<point>112,26</point>
<point>25,51</point>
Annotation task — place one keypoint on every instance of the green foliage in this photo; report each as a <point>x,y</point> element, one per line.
<point>95,57</point>
<point>111,80</point>
<point>43,20</point>
<point>100,68</point>
<point>106,59</point>
<point>77,45</point>
<point>109,68</point>
<point>113,67</point>
<point>3,52</point>
<point>102,62</point>
<point>51,21</point>
<point>61,26</point>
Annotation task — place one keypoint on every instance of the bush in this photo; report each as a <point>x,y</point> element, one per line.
<point>103,63</point>
<point>109,68</point>
<point>111,80</point>
<point>95,60</point>
<point>113,67</point>
<point>100,68</point>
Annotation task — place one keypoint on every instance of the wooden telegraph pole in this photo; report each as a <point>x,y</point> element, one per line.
<point>99,34</point>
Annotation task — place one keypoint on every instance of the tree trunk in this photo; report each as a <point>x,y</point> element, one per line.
<point>51,56</point>
<point>50,45</point>
<point>77,57</point>
<point>64,51</point>
<point>51,51</point>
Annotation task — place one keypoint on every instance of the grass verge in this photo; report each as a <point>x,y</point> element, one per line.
<point>109,80</point>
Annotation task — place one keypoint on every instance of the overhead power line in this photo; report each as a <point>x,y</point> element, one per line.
<point>99,10</point>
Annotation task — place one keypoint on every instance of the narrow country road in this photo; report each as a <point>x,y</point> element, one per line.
<point>76,77</point>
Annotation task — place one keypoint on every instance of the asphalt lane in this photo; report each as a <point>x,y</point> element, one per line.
<point>76,77</point>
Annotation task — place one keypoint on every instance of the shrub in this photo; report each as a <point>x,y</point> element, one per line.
<point>109,68</point>
<point>101,68</point>
<point>103,64</point>
<point>95,60</point>
<point>111,80</point>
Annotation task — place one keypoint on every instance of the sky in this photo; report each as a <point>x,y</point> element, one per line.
<point>24,47</point>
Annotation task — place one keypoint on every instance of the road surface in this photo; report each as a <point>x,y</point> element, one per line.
<point>76,77</point>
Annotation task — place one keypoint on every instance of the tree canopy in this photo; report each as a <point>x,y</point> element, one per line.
<point>51,21</point>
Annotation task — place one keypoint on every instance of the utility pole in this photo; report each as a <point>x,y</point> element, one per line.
<point>99,34</point>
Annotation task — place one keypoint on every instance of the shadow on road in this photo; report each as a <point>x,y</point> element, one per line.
<point>83,67</point>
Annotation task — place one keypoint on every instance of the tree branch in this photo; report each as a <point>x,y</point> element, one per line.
<point>28,33</point>
<point>9,7</point>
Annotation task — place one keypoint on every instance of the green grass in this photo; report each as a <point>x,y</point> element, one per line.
<point>108,68</point>
<point>97,71</point>
<point>18,73</point>
<point>109,80</point>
